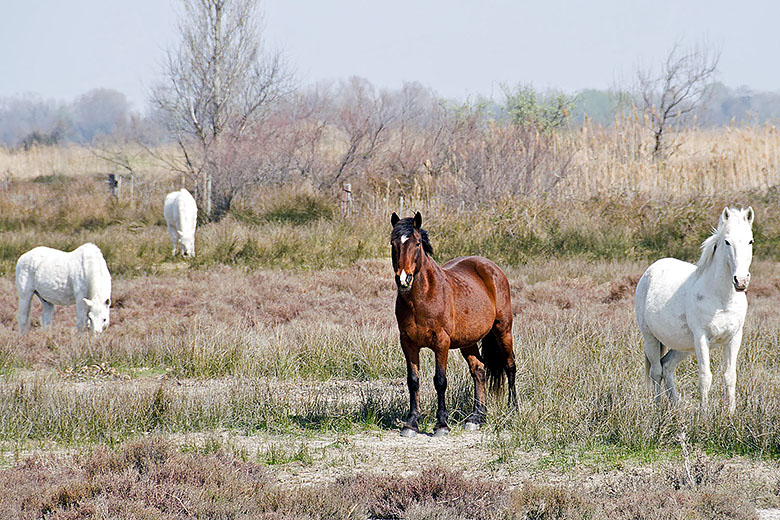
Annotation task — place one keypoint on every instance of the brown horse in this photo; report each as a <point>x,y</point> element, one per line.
<point>450,307</point>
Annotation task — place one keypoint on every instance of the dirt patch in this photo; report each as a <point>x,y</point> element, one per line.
<point>330,457</point>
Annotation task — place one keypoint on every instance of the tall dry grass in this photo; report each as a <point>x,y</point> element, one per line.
<point>298,351</point>
<point>291,228</point>
<point>702,161</point>
<point>73,160</point>
<point>479,160</point>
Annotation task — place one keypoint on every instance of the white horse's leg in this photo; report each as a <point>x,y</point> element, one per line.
<point>702,347</point>
<point>653,364</point>
<point>730,352</point>
<point>23,312</point>
<point>48,313</point>
<point>669,363</point>
<point>174,238</point>
<point>81,313</point>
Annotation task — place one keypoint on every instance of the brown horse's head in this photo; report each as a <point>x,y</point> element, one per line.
<point>409,244</point>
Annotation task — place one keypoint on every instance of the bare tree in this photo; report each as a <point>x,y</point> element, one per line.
<point>363,116</point>
<point>681,87</point>
<point>421,118</point>
<point>491,157</point>
<point>218,85</point>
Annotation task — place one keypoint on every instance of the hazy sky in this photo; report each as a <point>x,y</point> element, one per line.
<point>60,49</point>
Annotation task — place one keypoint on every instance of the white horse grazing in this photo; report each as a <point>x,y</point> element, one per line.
<point>683,308</point>
<point>181,214</point>
<point>60,278</point>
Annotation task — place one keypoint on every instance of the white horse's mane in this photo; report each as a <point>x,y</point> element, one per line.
<point>708,248</point>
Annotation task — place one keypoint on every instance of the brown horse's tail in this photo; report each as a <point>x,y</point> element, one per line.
<point>494,358</point>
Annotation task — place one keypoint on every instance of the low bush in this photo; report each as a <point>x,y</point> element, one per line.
<point>151,478</point>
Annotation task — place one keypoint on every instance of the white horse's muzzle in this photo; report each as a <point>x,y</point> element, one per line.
<point>741,283</point>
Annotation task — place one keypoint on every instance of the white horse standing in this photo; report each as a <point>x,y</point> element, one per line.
<point>683,308</point>
<point>80,277</point>
<point>181,215</point>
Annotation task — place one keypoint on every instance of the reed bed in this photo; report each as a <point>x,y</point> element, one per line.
<point>701,161</point>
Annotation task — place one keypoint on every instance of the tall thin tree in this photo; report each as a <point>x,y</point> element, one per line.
<point>217,84</point>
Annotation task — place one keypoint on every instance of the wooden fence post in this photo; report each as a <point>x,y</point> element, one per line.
<point>132,190</point>
<point>346,199</point>
<point>114,184</point>
<point>207,194</point>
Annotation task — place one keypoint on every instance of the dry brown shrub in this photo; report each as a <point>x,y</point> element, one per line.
<point>151,478</point>
<point>144,479</point>
<point>560,293</point>
<point>620,289</point>
<point>649,500</point>
<point>436,489</point>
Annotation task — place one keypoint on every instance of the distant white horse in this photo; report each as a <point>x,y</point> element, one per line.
<point>683,308</point>
<point>181,214</point>
<point>80,277</point>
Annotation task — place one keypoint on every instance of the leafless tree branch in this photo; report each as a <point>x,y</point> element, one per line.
<point>680,88</point>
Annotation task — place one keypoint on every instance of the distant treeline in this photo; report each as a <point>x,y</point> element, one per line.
<point>723,106</point>
<point>29,119</point>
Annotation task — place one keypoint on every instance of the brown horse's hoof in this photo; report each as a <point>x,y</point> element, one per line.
<point>408,433</point>
<point>471,426</point>
<point>441,432</point>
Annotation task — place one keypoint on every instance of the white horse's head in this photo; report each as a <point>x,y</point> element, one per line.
<point>97,314</point>
<point>188,246</point>
<point>735,231</point>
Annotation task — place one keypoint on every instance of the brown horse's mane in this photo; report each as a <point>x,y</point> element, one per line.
<point>405,226</point>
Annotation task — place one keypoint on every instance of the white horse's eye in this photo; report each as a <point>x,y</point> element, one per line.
<point>727,242</point>
<point>751,242</point>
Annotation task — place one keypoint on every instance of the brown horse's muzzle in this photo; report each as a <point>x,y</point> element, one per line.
<point>404,280</point>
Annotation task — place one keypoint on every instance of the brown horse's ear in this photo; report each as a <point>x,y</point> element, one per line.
<point>417,220</point>
<point>394,219</point>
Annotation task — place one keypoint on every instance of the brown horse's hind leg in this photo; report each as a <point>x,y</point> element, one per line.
<point>477,369</point>
<point>504,338</point>
<point>412,354</point>
<point>440,383</point>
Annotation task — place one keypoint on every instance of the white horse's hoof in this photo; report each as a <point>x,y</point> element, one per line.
<point>408,433</point>
<point>471,426</point>
<point>441,432</point>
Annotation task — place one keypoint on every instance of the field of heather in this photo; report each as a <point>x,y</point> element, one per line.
<point>264,376</point>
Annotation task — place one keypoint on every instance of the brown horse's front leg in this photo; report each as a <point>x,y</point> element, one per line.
<point>440,383</point>
<point>412,354</point>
